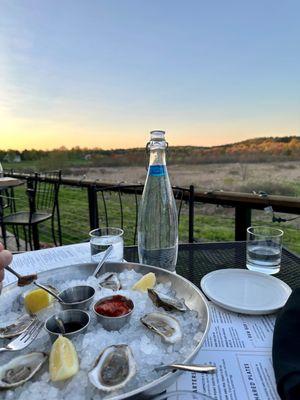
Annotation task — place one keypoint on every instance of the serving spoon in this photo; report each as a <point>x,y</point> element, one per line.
<point>46,288</point>
<point>207,369</point>
<point>60,324</point>
<point>23,280</point>
<point>102,261</point>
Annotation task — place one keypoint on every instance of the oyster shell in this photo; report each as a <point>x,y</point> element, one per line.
<point>21,369</point>
<point>110,280</point>
<point>18,327</point>
<point>167,302</point>
<point>114,367</point>
<point>164,325</point>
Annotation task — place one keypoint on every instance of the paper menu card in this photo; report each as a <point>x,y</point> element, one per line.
<point>240,346</point>
<point>46,259</point>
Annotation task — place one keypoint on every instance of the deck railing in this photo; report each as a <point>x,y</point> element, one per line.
<point>243,203</point>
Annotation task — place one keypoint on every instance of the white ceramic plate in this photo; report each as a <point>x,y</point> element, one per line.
<point>244,291</point>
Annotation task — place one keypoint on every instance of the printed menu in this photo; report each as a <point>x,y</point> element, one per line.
<point>46,259</point>
<point>241,348</point>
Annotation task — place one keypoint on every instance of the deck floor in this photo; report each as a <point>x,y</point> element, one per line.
<point>11,242</point>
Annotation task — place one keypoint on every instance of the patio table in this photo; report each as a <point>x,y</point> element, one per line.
<point>8,182</point>
<point>194,261</point>
<point>197,259</point>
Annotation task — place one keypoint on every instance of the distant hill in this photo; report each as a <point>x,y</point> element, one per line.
<point>252,150</point>
<point>264,149</point>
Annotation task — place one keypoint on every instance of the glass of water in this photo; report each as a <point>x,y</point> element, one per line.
<point>264,245</point>
<point>102,238</point>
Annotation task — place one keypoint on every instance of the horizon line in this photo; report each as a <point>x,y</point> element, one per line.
<point>65,148</point>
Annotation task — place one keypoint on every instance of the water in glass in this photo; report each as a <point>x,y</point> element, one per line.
<point>101,241</point>
<point>264,249</point>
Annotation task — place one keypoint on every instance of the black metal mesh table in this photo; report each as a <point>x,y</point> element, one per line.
<point>197,259</point>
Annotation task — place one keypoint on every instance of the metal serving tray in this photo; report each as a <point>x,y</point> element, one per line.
<point>193,297</point>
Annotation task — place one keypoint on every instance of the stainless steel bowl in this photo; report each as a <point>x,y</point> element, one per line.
<point>193,297</point>
<point>74,317</point>
<point>113,323</point>
<point>77,297</point>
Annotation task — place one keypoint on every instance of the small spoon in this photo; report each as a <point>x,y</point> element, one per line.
<point>207,369</point>
<point>103,259</point>
<point>23,280</point>
<point>49,291</point>
<point>60,324</point>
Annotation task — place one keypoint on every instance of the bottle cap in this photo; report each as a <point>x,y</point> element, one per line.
<point>157,135</point>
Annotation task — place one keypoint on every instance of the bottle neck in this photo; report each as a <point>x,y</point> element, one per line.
<point>157,157</point>
<point>157,148</point>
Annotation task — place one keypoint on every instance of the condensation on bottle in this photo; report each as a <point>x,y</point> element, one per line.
<point>158,219</point>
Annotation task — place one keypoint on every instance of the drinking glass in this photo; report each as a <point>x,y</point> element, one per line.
<point>182,395</point>
<point>264,245</point>
<point>102,238</point>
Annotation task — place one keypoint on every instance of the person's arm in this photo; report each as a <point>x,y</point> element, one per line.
<point>5,259</point>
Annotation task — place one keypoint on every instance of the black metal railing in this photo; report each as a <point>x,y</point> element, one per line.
<point>242,203</point>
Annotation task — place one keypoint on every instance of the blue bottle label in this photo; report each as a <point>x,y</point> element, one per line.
<point>157,170</point>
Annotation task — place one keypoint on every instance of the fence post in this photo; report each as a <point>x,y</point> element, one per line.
<point>242,222</point>
<point>191,214</point>
<point>93,206</point>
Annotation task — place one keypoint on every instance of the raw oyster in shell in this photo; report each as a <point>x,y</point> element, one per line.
<point>164,325</point>
<point>18,327</point>
<point>167,302</point>
<point>20,369</point>
<point>110,280</point>
<point>114,367</point>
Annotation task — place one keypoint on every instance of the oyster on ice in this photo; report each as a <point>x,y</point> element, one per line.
<point>164,325</point>
<point>18,327</point>
<point>114,367</point>
<point>110,280</point>
<point>167,302</point>
<point>20,369</point>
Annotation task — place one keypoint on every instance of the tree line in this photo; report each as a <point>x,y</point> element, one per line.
<point>252,150</point>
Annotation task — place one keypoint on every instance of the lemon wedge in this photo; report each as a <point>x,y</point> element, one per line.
<point>36,300</point>
<point>148,281</point>
<point>63,360</point>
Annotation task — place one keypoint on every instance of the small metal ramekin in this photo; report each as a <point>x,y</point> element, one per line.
<point>77,297</point>
<point>113,323</point>
<point>67,316</point>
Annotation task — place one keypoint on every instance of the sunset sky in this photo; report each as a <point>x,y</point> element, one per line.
<point>103,73</point>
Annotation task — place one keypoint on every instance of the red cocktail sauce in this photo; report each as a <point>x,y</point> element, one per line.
<point>114,307</point>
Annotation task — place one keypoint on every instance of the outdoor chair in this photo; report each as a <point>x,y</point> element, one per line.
<point>7,203</point>
<point>118,206</point>
<point>42,191</point>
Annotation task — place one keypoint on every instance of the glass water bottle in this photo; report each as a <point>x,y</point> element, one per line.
<point>158,220</point>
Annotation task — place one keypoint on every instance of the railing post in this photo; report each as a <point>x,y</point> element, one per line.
<point>191,214</point>
<point>242,222</point>
<point>93,207</point>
